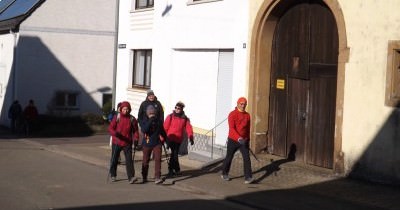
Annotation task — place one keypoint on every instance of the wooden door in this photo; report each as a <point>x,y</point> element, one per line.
<point>297,115</point>
<point>303,86</point>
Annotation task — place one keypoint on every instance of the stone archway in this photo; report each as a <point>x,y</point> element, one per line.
<point>260,68</point>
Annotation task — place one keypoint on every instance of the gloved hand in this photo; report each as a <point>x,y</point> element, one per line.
<point>167,144</point>
<point>241,141</point>
<point>118,135</point>
<point>191,141</point>
<point>152,118</point>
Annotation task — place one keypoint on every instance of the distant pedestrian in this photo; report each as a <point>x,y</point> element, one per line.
<point>153,138</point>
<point>30,116</point>
<point>15,115</point>
<point>124,131</point>
<point>177,126</point>
<point>238,138</point>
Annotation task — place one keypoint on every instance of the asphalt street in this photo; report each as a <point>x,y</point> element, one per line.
<point>33,178</point>
<point>71,173</point>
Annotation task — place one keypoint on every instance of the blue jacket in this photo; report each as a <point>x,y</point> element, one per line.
<point>153,129</point>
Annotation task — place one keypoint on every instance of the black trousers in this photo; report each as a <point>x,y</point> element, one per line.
<point>174,158</point>
<point>232,147</point>
<point>116,150</point>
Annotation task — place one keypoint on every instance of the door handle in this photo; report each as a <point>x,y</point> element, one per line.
<point>303,116</point>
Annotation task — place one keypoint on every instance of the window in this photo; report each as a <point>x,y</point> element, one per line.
<point>143,4</point>
<point>141,68</point>
<point>65,99</point>
<point>393,75</point>
<point>107,98</point>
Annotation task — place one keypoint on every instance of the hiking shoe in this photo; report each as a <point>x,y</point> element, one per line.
<point>113,178</point>
<point>249,180</point>
<point>132,180</point>
<point>225,177</point>
<point>158,181</point>
<point>170,174</point>
<point>178,173</point>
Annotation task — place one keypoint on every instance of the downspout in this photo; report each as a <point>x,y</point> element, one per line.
<point>14,66</point>
<point>114,85</point>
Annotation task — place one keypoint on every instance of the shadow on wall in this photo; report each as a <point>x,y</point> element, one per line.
<point>381,160</point>
<point>40,75</point>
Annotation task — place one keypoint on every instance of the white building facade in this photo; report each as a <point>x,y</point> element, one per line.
<point>64,61</point>
<point>190,51</point>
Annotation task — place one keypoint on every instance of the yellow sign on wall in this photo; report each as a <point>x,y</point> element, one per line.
<point>280,84</point>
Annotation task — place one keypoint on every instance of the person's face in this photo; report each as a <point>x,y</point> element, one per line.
<point>125,110</point>
<point>178,109</point>
<point>242,106</point>
<point>151,97</point>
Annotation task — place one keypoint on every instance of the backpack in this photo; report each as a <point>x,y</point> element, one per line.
<point>111,115</point>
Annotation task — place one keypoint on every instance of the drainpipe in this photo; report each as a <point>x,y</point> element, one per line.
<point>14,66</point>
<point>114,85</point>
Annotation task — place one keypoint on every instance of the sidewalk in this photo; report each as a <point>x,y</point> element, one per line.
<point>279,184</point>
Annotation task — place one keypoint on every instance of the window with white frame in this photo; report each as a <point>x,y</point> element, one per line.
<point>141,68</point>
<point>144,4</point>
<point>67,99</point>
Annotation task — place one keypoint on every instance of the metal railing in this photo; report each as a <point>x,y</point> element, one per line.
<point>206,142</point>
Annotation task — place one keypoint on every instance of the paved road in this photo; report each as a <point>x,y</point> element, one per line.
<point>34,178</point>
<point>70,173</point>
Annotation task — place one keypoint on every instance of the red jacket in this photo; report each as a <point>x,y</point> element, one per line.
<point>239,125</point>
<point>126,127</point>
<point>30,113</point>
<point>175,126</point>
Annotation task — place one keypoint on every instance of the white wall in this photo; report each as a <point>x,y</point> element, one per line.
<point>7,42</point>
<point>67,45</point>
<point>185,41</point>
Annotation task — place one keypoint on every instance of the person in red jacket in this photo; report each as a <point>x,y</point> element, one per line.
<point>124,131</point>
<point>238,138</point>
<point>175,125</point>
<point>30,115</point>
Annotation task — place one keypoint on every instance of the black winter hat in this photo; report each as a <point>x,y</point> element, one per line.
<point>180,104</point>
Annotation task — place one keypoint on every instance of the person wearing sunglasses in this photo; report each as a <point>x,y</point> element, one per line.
<point>238,139</point>
<point>177,126</point>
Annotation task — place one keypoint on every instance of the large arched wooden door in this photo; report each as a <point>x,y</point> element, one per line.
<point>303,83</point>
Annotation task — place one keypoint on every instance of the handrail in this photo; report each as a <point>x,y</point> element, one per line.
<point>215,126</point>
<point>205,138</point>
<point>212,137</point>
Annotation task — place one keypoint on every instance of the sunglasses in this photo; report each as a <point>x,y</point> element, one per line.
<point>243,104</point>
<point>178,108</point>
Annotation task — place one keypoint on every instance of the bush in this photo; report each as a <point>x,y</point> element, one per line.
<point>107,107</point>
<point>93,119</point>
<point>87,124</point>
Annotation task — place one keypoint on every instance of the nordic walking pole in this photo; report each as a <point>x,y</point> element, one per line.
<point>114,151</point>
<point>252,153</point>
<point>166,154</point>
<point>112,159</point>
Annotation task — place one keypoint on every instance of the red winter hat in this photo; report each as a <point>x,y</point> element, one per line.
<point>242,100</point>
<point>125,104</point>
